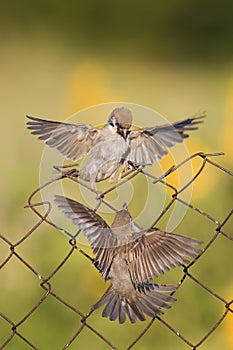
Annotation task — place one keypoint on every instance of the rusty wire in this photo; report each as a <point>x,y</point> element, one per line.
<point>45,281</point>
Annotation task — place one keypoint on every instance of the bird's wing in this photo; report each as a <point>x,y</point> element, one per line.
<point>149,145</point>
<point>96,230</point>
<point>157,251</point>
<point>73,141</point>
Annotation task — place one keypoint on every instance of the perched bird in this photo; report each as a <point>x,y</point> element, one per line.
<point>112,145</point>
<point>130,258</point>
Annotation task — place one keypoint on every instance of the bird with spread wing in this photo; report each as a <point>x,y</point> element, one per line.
<point>130,258</point>
<point>112,145</point>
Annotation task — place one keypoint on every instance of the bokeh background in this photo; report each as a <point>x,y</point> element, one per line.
<point>60,57</point>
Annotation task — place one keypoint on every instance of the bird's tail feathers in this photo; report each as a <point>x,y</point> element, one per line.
<point>149,300</point>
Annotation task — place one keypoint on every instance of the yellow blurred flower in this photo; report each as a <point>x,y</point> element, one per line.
<point>225,137</point>
<point>205,182</point>
<point>89,85</point>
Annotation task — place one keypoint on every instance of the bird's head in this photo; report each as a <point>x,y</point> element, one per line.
<point>121,118</point>
<point>122,218</point>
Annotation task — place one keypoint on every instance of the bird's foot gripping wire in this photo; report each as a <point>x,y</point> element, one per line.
<point>135,166</point>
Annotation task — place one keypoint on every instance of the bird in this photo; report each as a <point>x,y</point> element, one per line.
<point>112,145</point>
<point>130,257</point>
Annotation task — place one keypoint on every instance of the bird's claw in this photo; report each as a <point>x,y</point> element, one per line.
<point>135,166</point>
<point>112,178</point>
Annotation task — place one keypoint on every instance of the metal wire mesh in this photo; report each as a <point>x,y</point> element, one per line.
<point>16,329</point>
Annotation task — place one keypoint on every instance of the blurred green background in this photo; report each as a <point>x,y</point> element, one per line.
<point>57,58</point>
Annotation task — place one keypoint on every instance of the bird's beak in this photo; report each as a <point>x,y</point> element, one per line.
<point>124,206</point>
<point>124,132</point>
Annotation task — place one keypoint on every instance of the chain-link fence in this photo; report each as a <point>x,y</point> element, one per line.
<point>218,236</point>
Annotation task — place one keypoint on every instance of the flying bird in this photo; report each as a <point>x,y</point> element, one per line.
<point>112,145</point>
<point>130,258</point>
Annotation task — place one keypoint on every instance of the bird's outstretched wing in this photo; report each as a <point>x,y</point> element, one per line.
<point>73,141</point>
<point>150,144</point>
<point>157,251</point>
<point>96,230</point>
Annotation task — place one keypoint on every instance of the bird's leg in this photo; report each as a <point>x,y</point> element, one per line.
<point>126,165</point>
<point>93,187</point>
<point>113,177</point>
<point>92,181</point>
<point>122,172</point>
